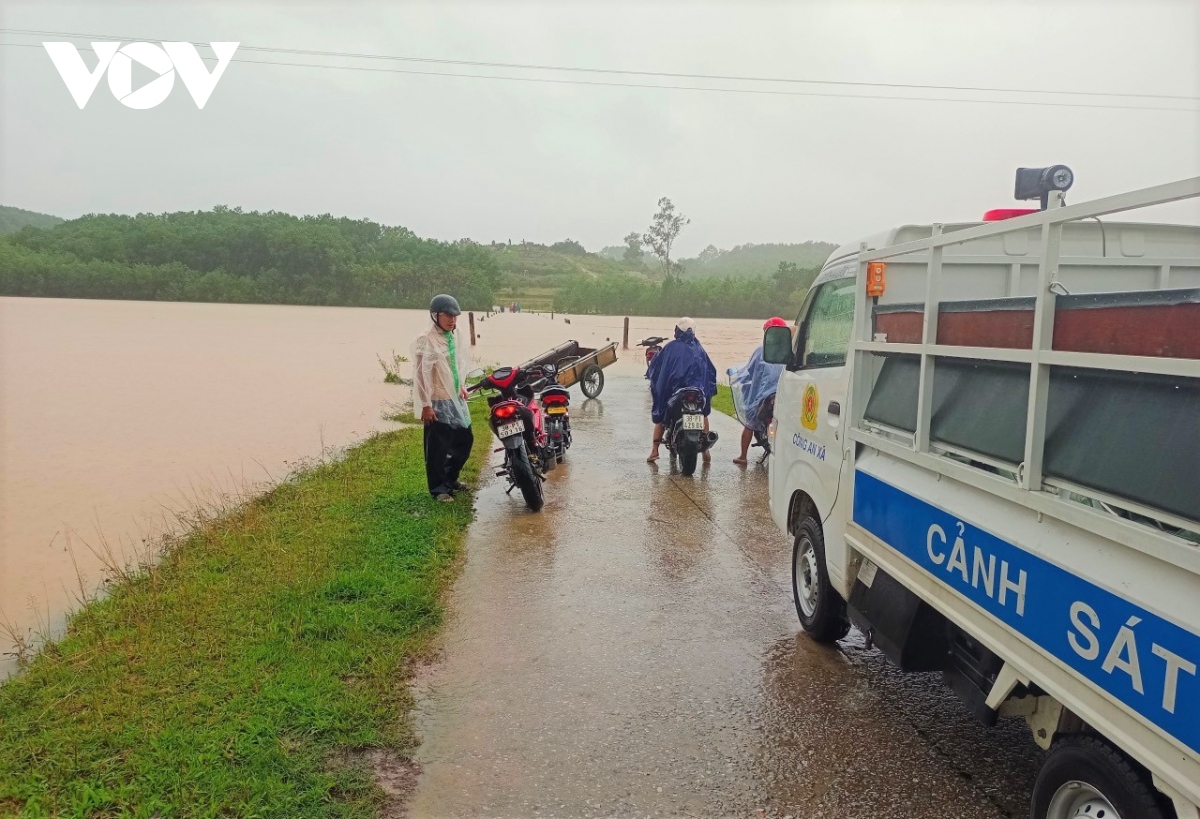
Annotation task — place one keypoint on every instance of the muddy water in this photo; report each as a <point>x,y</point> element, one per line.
<point>632,651</point>
<point>116,417</point>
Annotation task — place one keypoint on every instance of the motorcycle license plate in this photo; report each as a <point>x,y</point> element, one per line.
<point>693,422</point>
<point>556,410</point>
<point>515,428</point>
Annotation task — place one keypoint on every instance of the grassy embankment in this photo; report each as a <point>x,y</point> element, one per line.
<point>237,676</point>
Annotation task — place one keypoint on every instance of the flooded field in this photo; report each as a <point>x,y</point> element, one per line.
<point>118,418</point>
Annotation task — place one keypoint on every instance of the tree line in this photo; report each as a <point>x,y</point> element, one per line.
<point>731,297</point>
<point>227,255</point>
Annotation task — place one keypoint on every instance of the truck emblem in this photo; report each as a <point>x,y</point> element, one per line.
<point>808,407</point>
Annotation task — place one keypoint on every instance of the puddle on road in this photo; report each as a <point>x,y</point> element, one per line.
<point>632,650</point>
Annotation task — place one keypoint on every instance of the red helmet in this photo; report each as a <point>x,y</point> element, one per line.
<point>775,321</point>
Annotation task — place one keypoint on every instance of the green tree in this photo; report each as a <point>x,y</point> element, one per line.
<point>633,248</point>
<point>569,247</point>
<point>662,233</point>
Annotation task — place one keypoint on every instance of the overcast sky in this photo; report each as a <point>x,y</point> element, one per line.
<point>494,159</point>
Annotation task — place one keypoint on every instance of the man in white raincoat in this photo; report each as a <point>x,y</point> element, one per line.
<point>440,367</point>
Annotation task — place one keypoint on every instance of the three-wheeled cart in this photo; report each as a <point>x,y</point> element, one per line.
<point>576,364</point>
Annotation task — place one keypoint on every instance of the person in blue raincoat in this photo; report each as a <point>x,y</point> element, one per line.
<point>760,381</point>
<point>682,363</point>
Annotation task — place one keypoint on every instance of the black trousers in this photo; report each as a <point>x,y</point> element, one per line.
<point>446,450</point>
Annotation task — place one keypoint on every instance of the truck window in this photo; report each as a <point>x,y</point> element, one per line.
<point>828,326</point>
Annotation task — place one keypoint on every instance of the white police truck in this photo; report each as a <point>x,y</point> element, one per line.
<point>987,452</point>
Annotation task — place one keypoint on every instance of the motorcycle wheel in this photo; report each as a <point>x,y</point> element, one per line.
<point>520,468</point>
<point>687,461</point>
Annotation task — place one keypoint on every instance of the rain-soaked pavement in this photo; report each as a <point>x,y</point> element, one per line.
<point>632,650</point>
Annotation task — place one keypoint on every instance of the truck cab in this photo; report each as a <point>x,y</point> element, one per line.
<point>986,447</point>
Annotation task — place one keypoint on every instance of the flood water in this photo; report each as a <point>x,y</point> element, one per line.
<point>117,417</point>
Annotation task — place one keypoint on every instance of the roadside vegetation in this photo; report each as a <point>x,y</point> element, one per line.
<point>723,400</point>
<point>244,672</point>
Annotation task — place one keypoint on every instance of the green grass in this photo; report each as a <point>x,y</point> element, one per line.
<point>404,416</point>
<point>723,400</point>
<point>233,677</point>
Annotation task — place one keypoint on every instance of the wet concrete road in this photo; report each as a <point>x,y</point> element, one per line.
<point>632,650</point>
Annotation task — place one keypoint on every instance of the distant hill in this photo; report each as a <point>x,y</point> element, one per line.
<point>13,219</point>
<point>533,274</point>
<point>755,260</point>
<point>562,259</point>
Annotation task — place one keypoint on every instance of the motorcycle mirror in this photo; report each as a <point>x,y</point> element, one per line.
<point>475,377</point>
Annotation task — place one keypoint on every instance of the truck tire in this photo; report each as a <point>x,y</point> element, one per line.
<point>1084,775</point>
<point>822,612</point>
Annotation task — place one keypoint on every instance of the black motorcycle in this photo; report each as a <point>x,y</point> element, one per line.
<point>556,402</point>
<point>766,410</point>
<point>683,429</point>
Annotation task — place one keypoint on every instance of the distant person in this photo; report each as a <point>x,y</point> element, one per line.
<point>761,381</point>
<point>682,363</point>
<point>440,367</point>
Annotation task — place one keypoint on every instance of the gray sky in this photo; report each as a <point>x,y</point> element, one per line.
<point>491,159</point>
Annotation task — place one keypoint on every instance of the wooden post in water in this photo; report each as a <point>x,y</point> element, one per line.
<point>471,321</point>
<point>625,341</point>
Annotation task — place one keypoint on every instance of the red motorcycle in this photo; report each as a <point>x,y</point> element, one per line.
<point>653,346</point>
<point>517,418</point>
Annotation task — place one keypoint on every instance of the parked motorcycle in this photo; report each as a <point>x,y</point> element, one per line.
<point>556,402</point>
<point>756,419</point>
<point>653,346</point>
<point>683,430</point>
<point>517,417</point>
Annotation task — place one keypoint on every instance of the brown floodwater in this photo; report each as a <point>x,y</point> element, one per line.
<point>118,417</point>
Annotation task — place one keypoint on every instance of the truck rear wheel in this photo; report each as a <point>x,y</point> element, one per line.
<point>1084,776</point>
<point>822,612</point>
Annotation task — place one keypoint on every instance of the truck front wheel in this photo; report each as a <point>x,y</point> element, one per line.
<point>822,612</point>
<point>1085,776</point>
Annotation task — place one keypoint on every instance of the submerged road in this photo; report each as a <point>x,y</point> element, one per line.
<point>632,650</point>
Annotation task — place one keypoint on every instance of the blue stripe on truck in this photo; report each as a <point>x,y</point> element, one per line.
<point>1146,662</point>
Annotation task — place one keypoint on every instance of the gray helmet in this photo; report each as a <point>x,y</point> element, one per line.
<point>445,304</point>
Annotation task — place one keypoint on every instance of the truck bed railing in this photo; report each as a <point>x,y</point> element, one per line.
<point>1032,486</point>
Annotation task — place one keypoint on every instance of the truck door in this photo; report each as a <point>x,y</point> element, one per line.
<point>810,409</point>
